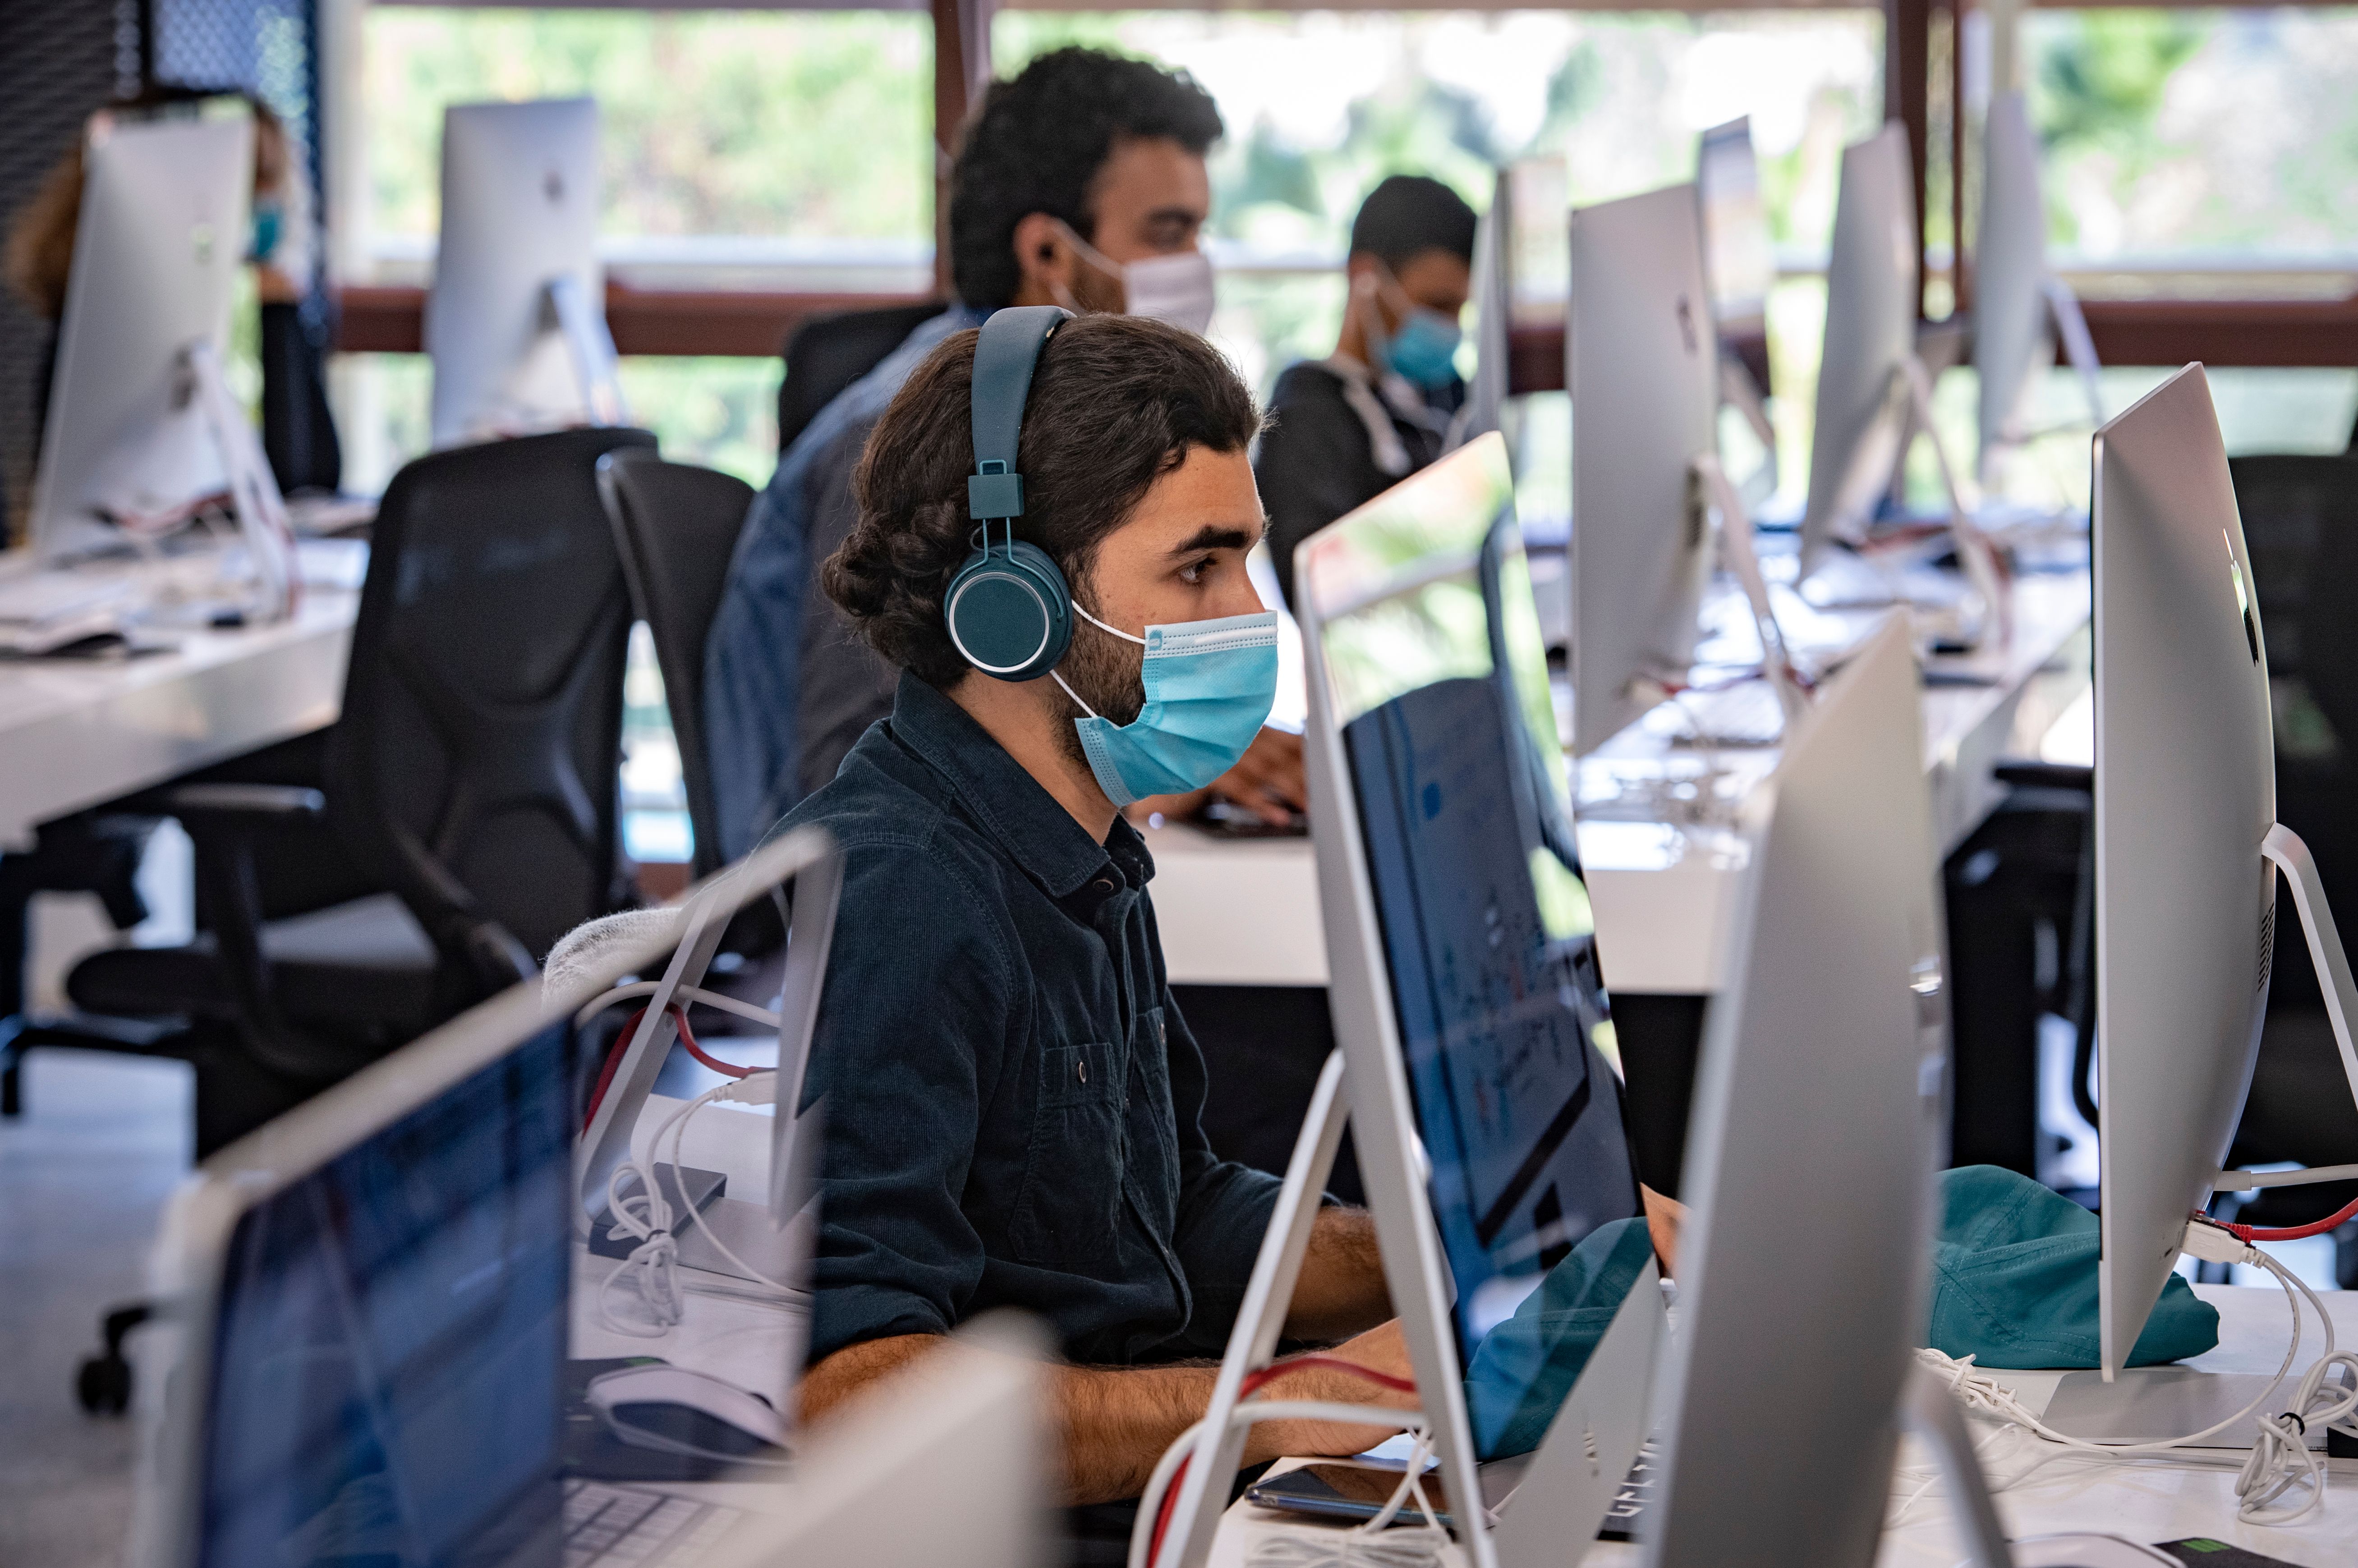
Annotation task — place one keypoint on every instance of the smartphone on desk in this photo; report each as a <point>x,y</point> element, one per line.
<point>1344,1491</point>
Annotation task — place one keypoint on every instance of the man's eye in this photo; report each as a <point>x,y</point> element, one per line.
<point>1192,573</point>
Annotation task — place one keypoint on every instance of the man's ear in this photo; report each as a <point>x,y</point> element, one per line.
<point>1044,260</point>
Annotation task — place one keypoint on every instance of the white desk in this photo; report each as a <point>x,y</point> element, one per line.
<point>2143,1502</point>
<point>1245,912</point>
<point>76,733</point>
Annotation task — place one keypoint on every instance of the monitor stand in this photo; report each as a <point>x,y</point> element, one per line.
<point>1908,402</point>
<point>2284,849</point>
<point>1563,1495</point>
<point>590,344</point>
<point>262,520</point>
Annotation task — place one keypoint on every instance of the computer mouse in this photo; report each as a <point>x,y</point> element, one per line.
<point>675,1410</point>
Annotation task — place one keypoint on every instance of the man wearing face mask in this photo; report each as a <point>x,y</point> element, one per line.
<point>1346,428</point>
<point>1080,182</point>
<point>1012,1096</point>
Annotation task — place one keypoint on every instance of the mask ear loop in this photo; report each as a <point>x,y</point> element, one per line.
<point>1101,626</point>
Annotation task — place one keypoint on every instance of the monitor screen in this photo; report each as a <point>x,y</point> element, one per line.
<point>1440,683</point>
<point>390,1349</point>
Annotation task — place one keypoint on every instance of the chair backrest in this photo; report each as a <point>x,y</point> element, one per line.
<point>828,353</point>
<point>476,762</point>
<point>675,526</point>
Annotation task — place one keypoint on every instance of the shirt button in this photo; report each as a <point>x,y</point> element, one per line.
<point>1102,885</point>
<point>1082,1068</point>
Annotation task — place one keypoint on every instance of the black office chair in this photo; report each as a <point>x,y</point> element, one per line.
<point>470,787</point>
<point>675,526</point>
<point>828,353</point>
<point>2301,525</point>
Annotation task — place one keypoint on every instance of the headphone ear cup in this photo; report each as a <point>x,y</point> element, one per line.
<point>1009,612</point>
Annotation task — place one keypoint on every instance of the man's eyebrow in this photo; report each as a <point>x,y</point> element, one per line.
<point>1214,537</point>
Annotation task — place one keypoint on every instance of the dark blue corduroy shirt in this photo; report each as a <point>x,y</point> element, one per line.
<point>1012,1101</point>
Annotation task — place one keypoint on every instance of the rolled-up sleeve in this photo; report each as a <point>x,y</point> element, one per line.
<point>911,1033</point>
<point>1224,1207</point>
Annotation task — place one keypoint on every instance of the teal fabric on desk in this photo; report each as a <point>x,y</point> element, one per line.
<point>2014,1280</point>
<point>1525,1366</point>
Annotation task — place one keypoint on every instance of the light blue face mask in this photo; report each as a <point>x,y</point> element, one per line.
<point>1424,350</point>
<point>1209,686</point>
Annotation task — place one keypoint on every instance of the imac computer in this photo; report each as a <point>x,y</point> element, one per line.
<point>1477,1058</point>
<point>2017,296</point>
<point>1875,395</point>
<point>1819,1117</point>
<point>143,431</point>
<point>1741,267</point>
<point>1643,367</point>
<point>2187,846</point>
<point>515,322</point>
<point>364,1307</point>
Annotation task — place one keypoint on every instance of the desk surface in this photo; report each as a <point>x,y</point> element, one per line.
<point>2146,1502</point>
<point>77,733</point>
<point>1246,911</point>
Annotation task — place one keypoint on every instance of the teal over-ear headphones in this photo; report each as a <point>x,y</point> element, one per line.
<point>1007,610</point>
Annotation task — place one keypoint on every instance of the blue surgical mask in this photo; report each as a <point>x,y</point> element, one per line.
<point>1424,350</point>
<point>1209,686</point>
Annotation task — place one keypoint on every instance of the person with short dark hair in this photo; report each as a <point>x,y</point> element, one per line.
<point>1346,428</point>
<point>1012,1095</point>
<point>1080,182</point>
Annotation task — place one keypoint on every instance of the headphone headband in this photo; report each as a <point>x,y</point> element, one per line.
<point>1004,356</point>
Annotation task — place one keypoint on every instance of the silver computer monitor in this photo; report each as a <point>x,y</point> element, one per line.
<point>1737,257</point>
<point>1822,1073</point>
<point>1480,1061</point>
<point>364,1304</point>
<point>515,318</point>
<point>156,250</point>
<point>1643,369</point>
<point>1494,297</point>
<point>2185,796</point>
<point>1870,339</point>
<point>2011,343</point>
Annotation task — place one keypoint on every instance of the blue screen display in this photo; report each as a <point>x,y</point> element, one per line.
<point>391,1345</point>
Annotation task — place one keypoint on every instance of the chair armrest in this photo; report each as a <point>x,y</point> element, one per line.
<point>261,802</point>
<point>2026,772</point>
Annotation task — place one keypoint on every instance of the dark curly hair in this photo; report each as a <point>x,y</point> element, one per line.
<point>1116,403</point>
<point>1038,142</point>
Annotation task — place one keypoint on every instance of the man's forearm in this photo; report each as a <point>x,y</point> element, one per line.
<point>1341,1289</point>
<point>1114,1422</point>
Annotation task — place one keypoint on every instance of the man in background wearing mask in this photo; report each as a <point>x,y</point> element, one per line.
<point>1080,182</point>
<point>1346,428</point>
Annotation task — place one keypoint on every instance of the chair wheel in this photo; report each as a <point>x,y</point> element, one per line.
<point>103,1385</point>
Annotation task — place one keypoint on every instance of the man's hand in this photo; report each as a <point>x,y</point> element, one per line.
<point>1266,781</point>
<point>1380,1350</point>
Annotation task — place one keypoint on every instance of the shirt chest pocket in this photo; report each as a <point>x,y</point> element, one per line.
<point>1070,1205</point>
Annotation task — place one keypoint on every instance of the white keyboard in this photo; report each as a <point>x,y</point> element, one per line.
<point>621,1526</point>
<point>1744,714</point>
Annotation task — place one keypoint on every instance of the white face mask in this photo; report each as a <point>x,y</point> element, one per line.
<point>1175,289</point>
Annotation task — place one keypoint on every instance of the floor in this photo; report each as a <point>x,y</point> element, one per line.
<point>83,1176</point>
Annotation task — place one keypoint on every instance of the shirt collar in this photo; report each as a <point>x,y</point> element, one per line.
<point>1037,833</point>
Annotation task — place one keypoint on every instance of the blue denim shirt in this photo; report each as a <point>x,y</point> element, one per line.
<point>753,653</point>
<point>1012,1100</point>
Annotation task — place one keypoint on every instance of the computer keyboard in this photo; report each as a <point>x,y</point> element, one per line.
<point>1743,714</point>
<point>1628,1505</point>
<point>617,1526</point>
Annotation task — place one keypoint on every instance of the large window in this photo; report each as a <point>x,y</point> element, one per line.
<point>2200,141</point>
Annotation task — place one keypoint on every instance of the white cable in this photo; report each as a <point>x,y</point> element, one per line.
<point>758,1088</point>
<point>684,994</point>
<point>2279,1460</point>
<point>1150,1502</point>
